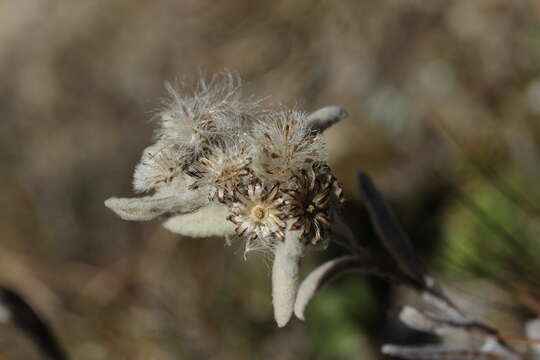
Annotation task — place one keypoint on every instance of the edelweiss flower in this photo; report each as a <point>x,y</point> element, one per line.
<point>256,212</point>
<point>222,166</point>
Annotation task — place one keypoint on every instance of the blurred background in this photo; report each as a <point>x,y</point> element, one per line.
<point>444,104</point>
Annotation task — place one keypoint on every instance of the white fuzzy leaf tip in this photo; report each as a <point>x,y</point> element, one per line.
<point>285,276</point>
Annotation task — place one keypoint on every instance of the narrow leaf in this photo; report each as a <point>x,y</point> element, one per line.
<point>390,232</point>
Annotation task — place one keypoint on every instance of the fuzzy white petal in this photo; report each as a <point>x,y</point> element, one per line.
<point>205,222</point>
<point>285,277</point>
<point>322,119</point>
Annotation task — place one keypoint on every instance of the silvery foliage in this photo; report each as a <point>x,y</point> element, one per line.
<point>223,165</point>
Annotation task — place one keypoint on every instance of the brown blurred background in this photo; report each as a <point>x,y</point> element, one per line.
<point>444,103</point>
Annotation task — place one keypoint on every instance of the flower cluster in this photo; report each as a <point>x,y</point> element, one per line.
<point>225,166</point>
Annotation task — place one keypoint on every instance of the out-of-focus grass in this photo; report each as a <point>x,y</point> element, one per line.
<point>493,233</point>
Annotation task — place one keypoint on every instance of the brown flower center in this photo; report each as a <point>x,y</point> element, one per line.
<point>310,209</point>
<point>258,212</point>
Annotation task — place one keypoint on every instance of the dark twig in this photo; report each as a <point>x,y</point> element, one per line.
<point>22,316</point>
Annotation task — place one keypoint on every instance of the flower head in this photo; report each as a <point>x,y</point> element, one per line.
<point>309,204</point>
<point>223,166</point>
<point>221,169</point>
<point>203,117</point>
<point>160,164</point>
<point>285,145</point>
<point>257,212</point>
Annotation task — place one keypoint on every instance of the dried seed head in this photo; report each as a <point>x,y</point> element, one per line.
<point>200,118</point>
<point>222,169</point>
<point>284,145</point>
<point>160,164</point>
<point>337,191</point>
<point>309,203</point>
<point>256,210</point>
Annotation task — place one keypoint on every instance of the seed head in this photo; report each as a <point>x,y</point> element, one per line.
<point>161,163</point>
<point>284,145</point>
<point>256,210</point>
<point>201,118</point>
<point>309,203</point>
<point>222,169</point>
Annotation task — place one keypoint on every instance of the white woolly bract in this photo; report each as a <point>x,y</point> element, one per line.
<point>285,276</point>
<point>167,200</point>
<point>205,222</point>
<point>312,283</point>
<point>283,144</point>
